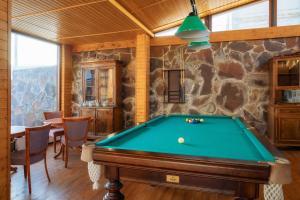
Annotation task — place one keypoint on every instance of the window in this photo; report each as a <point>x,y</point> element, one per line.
<point>288,12</point>
<point>254,15</point>
<point>169,32</point>
<point>34,88</point>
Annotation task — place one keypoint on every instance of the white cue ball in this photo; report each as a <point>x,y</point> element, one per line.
<point>180,140</point>
<point>201,120</point>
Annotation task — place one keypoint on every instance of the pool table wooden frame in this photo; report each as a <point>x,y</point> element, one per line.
<point>238,178</point>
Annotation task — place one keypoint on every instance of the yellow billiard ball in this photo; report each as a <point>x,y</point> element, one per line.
<point>180,140</point>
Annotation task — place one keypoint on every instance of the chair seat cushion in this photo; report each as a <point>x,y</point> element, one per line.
<point>72,143</point>
<point>54,132</point>
<point>19,158</point>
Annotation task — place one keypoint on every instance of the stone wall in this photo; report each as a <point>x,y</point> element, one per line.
<point>127,56</point>
<point>33,91</point>
<point>231,78</point>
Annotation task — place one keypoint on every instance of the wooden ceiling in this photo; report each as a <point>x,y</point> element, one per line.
<point>91,21</point>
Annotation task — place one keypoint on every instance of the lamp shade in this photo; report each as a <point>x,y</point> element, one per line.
<point>192,28</point>
<point>199,45</point>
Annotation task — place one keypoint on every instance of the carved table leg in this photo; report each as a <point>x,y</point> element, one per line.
<point>113,185</point>
<point>113,190</point>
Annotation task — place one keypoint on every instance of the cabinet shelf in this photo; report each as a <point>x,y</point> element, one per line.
<point>288,74</point>
<point>287,87</point>
<point>283,112</point>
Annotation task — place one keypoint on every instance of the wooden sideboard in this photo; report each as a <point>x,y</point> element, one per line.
<point>284,108</point>
<point>284,125</point>
<point>101,88</point>
<point>105,120</point>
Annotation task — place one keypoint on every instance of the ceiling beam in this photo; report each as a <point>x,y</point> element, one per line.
<point>57,10</point>
<point>96,34</point>
<point>131,17</point>
<point>105,45</point>
<point>224,36</point>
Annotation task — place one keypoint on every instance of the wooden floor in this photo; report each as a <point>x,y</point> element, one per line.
<point>73,183</point>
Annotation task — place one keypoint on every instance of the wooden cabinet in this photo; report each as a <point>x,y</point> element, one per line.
<point>102,97</point>
<point>88,112</point>
<point>284,109</point>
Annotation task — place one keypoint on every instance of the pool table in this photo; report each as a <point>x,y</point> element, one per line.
<point>221,154</point>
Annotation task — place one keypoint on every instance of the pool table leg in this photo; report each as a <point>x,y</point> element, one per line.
<point>113,186</point>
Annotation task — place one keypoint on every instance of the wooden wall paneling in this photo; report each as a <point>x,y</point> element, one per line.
<point>142,74</point>
<point>4,100</point>
<point>66,80</point>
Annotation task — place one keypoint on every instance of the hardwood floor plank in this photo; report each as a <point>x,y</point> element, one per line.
<point>74,183</point>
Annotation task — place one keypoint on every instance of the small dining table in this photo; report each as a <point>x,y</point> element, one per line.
<point>55,122</point>
<point>17,132</point>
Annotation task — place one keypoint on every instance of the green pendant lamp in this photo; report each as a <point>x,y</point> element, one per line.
<point>192,28</point>
<point>199,45</point>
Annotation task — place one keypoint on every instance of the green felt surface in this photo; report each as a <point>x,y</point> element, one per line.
<point>216,137</point>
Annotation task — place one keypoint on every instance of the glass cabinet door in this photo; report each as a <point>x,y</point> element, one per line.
<point>288,72</point>
<point>90,82</point>
<point>106,86</point>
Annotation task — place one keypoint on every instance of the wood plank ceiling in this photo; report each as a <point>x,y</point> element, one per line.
<point>91,21</point>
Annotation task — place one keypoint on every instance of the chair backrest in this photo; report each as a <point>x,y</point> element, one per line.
<point>37,140</point>
<point>76,130</point>
<point>52,115</point>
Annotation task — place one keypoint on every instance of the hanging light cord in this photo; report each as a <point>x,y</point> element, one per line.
<point>195,12</point>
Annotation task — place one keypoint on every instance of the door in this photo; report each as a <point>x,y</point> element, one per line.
<point>104,120</point>
<point>106,86</point>
<point>89,112</point>
<point>289,129</point>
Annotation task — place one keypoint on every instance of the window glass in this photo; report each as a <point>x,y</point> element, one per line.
<point>288,12</point>
<point>34,86</point>
<point>254,15</point>
<point>169,32</point>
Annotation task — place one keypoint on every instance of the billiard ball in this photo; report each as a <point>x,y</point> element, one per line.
<point>180,140</point>
<point>201,120</point>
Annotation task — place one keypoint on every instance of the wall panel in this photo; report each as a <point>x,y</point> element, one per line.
<point>4,100</point>
<point>142,72</point>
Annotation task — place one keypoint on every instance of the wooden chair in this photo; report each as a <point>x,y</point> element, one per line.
<point>76,130</point>
<point>36,150</point>
<point>55,132</point>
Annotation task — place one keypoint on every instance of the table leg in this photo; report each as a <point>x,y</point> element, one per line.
<point>113,185</point>
<point>113,190</point>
